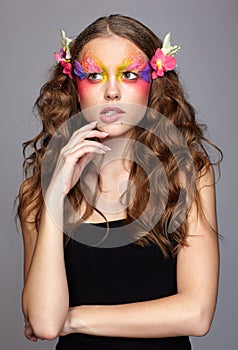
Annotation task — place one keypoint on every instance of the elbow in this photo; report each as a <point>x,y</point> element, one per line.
<point>44,325</point>
<point>201,329</point>
<point>201,324</point>
<point>46,335</point>
<point>44,330</point>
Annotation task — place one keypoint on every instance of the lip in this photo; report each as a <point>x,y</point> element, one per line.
<point>117,114</point>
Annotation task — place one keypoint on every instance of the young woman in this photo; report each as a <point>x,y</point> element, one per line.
<point>135,167</point>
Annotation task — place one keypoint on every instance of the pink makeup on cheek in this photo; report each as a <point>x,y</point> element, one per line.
<point>83,86</point>
<point>89,66</point>
<point>142,87</point>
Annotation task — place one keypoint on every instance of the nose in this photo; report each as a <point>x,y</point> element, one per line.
<point>112,90</point>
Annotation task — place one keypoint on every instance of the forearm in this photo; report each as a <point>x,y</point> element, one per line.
<point>45,295</point>
<point>176,315</point>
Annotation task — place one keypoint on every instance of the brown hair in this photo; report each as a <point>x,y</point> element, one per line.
<point>58,102</point>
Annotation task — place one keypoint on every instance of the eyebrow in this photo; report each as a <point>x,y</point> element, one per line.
<point>91,65</point>
<point>129,65</point>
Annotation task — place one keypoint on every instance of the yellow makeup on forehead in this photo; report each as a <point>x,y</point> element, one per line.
<point>134,65</point>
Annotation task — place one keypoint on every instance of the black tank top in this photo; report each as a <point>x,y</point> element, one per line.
<point>116,273</point>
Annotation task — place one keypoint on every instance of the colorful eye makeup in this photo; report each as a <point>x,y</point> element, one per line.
<point>141,67</point>
<point>87,67</point>
<point>130,70</point>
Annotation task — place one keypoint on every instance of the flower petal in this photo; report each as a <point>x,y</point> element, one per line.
<point>57,57</point>
<point>167,48</point>
<point>166,41</point>
<point>153,62</point>
<point>62,53</point>
<point>67,68</point>
<point>65,42</point>
<point>159,54</point>
<point>169,63</point>
<point>162,63</point>
<point>154,75</point>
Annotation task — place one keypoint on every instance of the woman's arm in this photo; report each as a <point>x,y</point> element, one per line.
<point>29,234</point>
<point>45,294</point>
<point>191,310</point>
<point>45,297</point>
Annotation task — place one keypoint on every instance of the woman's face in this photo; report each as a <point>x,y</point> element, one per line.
<point>116,88</point>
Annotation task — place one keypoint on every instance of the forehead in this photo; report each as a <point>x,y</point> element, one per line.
<point>111,50</point>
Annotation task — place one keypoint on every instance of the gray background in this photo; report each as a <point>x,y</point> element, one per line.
<point>207,31</point>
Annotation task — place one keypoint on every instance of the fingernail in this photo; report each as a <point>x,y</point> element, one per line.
<point>104,133</point>
<point>95,122</point>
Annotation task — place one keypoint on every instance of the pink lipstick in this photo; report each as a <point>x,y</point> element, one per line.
<point>111,114</point>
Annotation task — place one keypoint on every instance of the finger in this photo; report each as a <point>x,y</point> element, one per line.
<point>84,129</point>
<point>80,136</point>
<point>33,338</point>
<point>96,133</point>
<point>28,332</point>
<point>87,143</point>
<point>29,335</point>
<point>70,175</point>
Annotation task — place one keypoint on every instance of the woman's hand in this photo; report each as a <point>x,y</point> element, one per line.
<point>29,332</point>
<point>75,155</point>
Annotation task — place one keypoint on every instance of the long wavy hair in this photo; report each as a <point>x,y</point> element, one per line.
<point>58,101</point>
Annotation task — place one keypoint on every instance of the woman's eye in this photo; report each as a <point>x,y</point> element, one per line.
<point>95,76</point>
<point>129,75</point>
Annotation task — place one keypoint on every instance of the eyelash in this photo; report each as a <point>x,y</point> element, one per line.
<point>92,76</point>
<point>124,75</point>
<point>129,72</point>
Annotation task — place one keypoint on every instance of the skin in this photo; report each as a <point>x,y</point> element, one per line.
<point>45,294</point>
<point>113,66</point>
<point>115,85</point>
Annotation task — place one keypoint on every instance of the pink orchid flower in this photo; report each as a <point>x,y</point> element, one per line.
<point>67,68</point>
<point>66,65</point>
<point>161,63</point>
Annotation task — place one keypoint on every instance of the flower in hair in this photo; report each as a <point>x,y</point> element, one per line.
<point>65,42</point>
<point>163,59</point>
<point>64,56</point>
